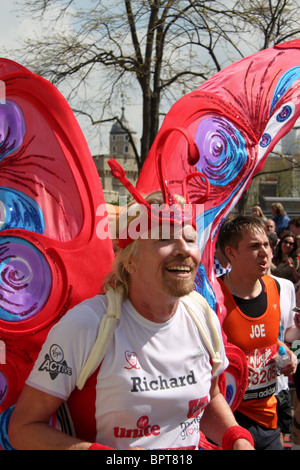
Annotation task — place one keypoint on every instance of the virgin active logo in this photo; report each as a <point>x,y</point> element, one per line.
<point>55,363</point>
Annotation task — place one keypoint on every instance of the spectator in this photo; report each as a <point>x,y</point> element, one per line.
<point>298,244</point>
<point>273,240</point>
<point>270,225</point>
<point>258,213</point>
<point>289,331</point>
<point>283,232</point>
<point>280,217</point>
<point>295,226</point>
<point>286,260</point>
<point>296,416</point>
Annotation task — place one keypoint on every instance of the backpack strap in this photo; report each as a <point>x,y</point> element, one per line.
<point>104,337</point>
<point>203,320</point>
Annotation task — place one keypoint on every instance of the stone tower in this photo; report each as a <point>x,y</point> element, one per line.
<point>121,150</point>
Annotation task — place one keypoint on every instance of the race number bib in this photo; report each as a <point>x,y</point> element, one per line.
<point>262,381</point>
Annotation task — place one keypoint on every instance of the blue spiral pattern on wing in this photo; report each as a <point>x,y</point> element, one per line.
<point>222,150</point>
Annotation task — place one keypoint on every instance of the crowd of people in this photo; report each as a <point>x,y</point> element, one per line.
<point>140,363</point>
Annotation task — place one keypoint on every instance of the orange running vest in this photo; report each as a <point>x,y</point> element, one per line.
<point>257,337</point>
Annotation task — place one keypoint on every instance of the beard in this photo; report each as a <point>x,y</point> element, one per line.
<point>179,287</point>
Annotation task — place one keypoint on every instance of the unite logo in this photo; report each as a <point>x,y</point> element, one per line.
<point>143,429</point>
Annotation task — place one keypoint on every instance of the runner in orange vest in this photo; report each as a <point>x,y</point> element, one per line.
<point>251,322</point>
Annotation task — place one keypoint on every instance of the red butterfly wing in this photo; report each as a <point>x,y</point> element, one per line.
<point>50,255</point>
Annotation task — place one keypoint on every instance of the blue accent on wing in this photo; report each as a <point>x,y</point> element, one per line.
<point>18,211</point>
<point>202,284</point>
<point>285,82</point>
<point>204,288</point>
<point>4,423</point>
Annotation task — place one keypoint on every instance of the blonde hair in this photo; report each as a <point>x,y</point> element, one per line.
<point>278,207</point>
<point>119,276</point>
<point>261,214</point>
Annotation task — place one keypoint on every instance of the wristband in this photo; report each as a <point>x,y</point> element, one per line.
<point>96,446</point>
<point>233,434</point>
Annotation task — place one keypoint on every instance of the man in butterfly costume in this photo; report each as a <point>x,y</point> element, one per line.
<point>243,131</point>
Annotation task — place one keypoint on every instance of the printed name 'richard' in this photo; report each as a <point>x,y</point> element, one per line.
<point>161,383</point>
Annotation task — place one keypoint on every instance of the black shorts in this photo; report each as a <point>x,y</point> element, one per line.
<point>264,438</point>
<point>284,411</point>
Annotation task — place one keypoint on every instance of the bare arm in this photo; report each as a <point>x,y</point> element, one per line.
<point>293,333</point>
<point>218,417</point>
<point>294,269</point>
<point>29,427</point>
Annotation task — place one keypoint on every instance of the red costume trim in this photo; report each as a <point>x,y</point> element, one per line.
<point>96,446</point>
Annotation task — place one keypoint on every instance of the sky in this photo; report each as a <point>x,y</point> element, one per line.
<point>11,26</point>
<point>13,29</point>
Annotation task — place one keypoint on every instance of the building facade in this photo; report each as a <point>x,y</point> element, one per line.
<point>121,150</point>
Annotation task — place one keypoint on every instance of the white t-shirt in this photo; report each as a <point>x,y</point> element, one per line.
<point>287,303</point>
<point>152,386</point>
